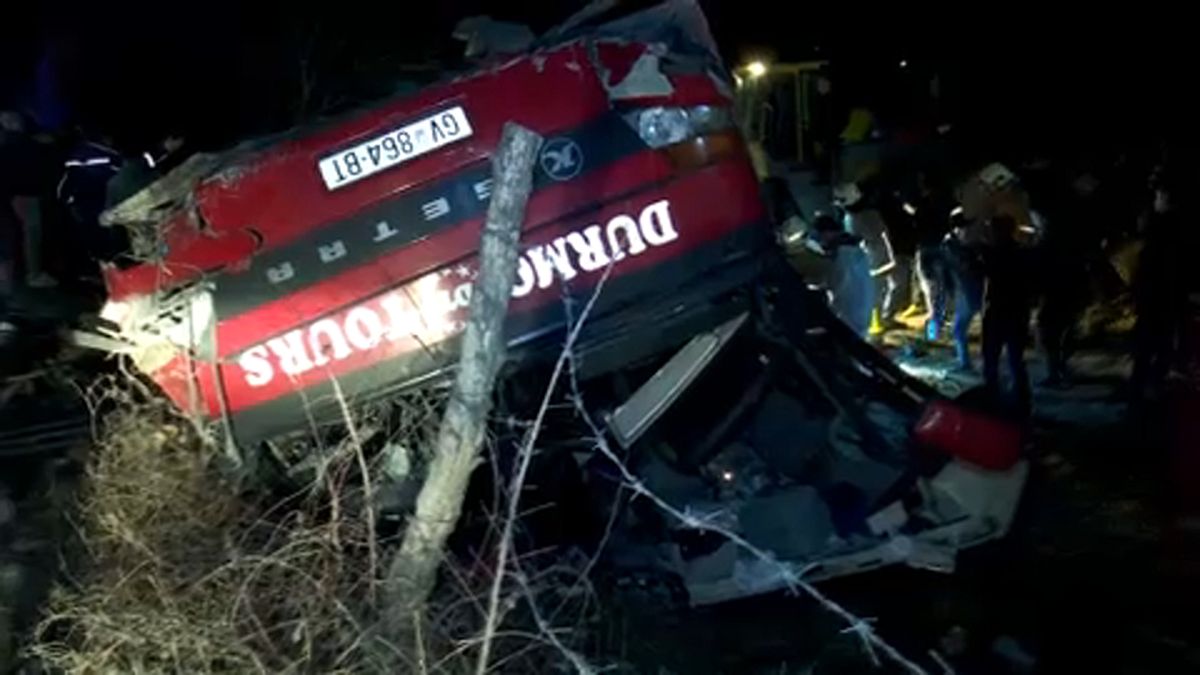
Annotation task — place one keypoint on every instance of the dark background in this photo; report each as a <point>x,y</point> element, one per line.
<point>1044,81</point>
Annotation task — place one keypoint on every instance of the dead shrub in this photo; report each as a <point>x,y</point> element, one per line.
<point>180,571</point>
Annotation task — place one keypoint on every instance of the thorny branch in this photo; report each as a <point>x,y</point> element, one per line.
<point>368,491</point>
<point>576,660</point>
<point>871,641</point>
<point>859,626</point>
<point>525,456</point>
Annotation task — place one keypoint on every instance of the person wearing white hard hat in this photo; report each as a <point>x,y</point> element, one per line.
<point>865,222</point>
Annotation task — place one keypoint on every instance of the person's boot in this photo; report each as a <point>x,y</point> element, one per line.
<point>933,330</point>
<point>876,328</point>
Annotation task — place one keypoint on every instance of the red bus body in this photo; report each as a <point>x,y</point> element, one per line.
<point>269,290</point>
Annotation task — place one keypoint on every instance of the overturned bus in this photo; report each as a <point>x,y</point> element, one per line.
<point>346,251</point>
<point>336,262</point>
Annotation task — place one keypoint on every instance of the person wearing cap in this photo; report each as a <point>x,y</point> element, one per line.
<point>865,222</point>
<point>848,279</point>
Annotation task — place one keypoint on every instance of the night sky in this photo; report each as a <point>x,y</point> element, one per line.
<point>218,71</point>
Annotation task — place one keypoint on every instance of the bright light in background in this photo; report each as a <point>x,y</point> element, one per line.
<point>756,69</point>
<point>903,63</point>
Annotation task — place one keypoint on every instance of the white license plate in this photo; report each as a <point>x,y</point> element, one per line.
<point>394,147</point>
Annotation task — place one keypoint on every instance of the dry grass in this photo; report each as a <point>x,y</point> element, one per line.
<point>180,571</point>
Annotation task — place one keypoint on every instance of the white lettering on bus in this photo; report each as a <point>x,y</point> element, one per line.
<point>364,328</point>
<point>590,249</point>
<point>257,366</point>
<point>289,351</point>
<point>526,279</point>
<point>632,244</point>
<point>384,231</point>
<point>429,309</point>
<point>549,261</point>
<point>334,341</point>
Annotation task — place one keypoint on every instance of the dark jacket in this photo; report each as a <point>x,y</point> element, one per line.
<point>1008,271</point>
<point>931,222</point>
<point>1161,272</point>
<point>86,174</point>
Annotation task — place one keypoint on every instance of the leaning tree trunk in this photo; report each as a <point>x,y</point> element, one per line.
<point>412,573</point>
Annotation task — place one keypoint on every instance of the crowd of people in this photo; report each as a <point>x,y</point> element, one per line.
<point>54,185</point>
<point>1030,254</point>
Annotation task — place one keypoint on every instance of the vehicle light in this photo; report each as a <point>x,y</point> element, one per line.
<point>707,119</point>
<point>704,150</point>
<point>661,126</point>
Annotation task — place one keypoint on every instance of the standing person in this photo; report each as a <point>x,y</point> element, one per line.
<point>962,270</point>
<point>26,174</point>
<point>930,211</point>
<point>828,118</point>
<point>865,222</point>
<point>1159,289</point>
<point>903,237</point>
<point>90,167</point>
<point>1006,311</point>
<point>139,171</point>
<point>849,276</point>
<point>1064,252</point>
<point>10,223</point>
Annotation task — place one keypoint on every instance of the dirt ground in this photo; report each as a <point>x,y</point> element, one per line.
<point>1097,576</point>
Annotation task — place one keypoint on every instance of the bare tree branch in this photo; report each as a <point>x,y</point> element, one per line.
<point>413,571</point>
